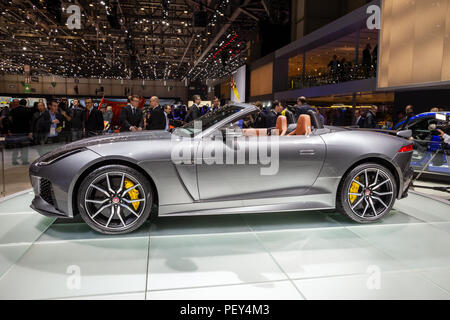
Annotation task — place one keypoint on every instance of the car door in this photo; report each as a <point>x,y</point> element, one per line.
<point>290,168</point>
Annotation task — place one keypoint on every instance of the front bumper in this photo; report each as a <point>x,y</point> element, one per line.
<point>53,184</point>
<point>46,209</point>
<point>44,200</point>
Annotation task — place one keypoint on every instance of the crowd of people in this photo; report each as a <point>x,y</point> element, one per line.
<point>344,117</point>
<point>62,122</point>
<point>366,117</point>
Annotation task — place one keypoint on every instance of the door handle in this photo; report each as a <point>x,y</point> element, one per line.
<point>309,152</point>
<point>188,162</point>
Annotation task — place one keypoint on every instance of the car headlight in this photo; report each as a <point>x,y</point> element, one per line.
<point>52,157</point>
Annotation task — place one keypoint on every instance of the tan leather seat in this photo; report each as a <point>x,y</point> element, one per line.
<point>251,132</point>
<point>262,132</point>
<point>281,126</point>
<point>303,126</point>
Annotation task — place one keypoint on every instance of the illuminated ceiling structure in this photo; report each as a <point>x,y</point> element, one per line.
<point>129,39</point>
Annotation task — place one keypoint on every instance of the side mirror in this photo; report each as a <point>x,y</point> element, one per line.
<point>405,134</point>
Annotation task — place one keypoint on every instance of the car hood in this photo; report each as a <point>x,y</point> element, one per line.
<point>120,137</point>
<point>109,138</point>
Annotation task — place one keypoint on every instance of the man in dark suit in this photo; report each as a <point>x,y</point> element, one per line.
<point>168,116</point>
<point>215,104</point>
<point>157,120</point>
<point>131,117</point>
<point>50,124</point>
<point>19,131</point>
<point>409,111</point>
<point>41,124</point>
<point>35,134</point>
<point>194,111</point>
<point>302,107</point>
<point>370,121</point>
<point>76,122</point>
<point>289,114</point>
<point>21,117</point>
<point>92,119</point>
<point>63,109</point>
<point>258,120</point>
<point>273,114</point>
<point>359,118</point>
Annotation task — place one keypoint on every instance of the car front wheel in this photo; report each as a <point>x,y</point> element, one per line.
<point>367,193</point>
<point>115,199</point>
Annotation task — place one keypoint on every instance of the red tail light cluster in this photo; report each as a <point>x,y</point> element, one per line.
<point>407,148</point>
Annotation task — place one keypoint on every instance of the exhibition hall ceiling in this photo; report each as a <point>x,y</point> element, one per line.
<point>123,39</point>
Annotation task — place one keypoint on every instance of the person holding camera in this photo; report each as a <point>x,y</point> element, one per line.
<point>444,136</point>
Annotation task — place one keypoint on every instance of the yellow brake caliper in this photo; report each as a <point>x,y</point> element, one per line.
<point>354,189</point>
<point>134,194</point>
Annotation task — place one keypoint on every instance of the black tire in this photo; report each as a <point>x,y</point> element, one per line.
<point>109,179</point>
<point>348,203</point>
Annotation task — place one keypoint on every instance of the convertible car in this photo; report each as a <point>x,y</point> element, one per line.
<point>114,181</point>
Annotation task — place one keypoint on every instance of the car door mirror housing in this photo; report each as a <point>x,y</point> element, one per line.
<point>404,134</point>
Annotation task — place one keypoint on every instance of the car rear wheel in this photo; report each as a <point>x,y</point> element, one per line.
<point>367,193</point>
<point>115,199</point>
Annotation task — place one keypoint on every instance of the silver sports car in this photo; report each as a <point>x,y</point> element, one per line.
<point>219,165</point>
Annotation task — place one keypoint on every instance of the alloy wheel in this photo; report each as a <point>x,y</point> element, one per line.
<point>370,193</point>
<point>115,200</point>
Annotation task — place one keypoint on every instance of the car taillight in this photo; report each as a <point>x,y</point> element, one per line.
<point>407,148</point>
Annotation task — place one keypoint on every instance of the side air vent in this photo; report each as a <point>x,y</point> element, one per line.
<point>46,191</point>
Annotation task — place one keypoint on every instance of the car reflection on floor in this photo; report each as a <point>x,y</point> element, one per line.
<point>296,255</point>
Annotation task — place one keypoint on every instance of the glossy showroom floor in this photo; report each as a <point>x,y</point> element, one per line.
<point>311,255</point>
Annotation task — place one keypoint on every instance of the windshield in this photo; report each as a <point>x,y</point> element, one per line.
<point>209,119</point>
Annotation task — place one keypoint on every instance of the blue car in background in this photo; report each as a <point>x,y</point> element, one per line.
<point>426,143</point>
